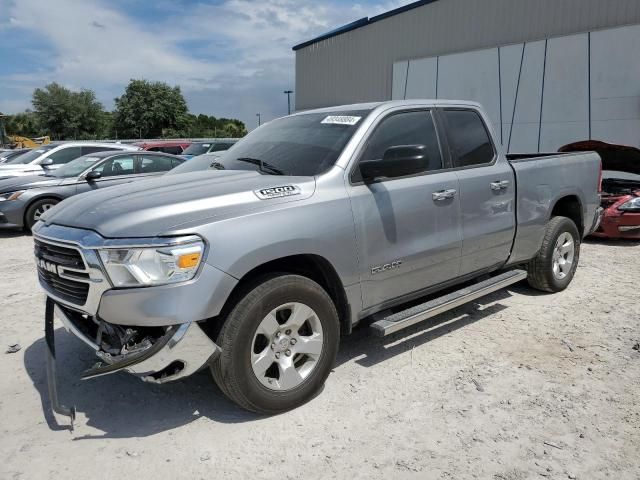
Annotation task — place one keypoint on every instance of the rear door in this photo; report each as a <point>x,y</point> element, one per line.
<point>487,190</point>
<point>408,234</point>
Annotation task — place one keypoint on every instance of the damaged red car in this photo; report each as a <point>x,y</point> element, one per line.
<point>620,187</point>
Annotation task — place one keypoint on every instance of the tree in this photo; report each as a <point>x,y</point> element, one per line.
<point>24,124</point>
<point>65,114</point>
<point>148,109</point>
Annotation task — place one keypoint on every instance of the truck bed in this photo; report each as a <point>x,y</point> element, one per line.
<point>542,179</point>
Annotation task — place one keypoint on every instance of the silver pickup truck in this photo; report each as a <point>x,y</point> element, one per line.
<point>386,213</point>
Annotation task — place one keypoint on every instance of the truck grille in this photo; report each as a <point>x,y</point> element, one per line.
<point>53,262</point>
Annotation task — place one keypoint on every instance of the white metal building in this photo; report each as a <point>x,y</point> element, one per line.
<point>549,72</point>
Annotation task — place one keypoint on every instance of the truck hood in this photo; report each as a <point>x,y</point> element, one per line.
<point>155,207</point>
<point>13,184</point>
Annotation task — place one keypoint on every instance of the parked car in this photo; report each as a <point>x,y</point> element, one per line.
<point>200,148</point>
<point>49,157</point>
<point>174,147</point>
<point>620,187</point>
<point>24,199</point>
<point>201,162</point>
<point>309,225</point>
<point>6,155</point>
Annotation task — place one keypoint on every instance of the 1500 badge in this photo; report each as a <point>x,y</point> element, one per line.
<point>277,192</point>
<point>387,266</point>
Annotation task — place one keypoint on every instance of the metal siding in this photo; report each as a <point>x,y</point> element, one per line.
<point>357,66</point>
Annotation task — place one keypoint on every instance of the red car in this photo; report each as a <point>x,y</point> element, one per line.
<point>620,187</point>
<point>174,147</point>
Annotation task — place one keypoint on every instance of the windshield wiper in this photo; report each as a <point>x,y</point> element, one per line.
<point>262,165</point>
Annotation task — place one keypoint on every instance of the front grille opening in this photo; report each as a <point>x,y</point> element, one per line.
<point>65,256</point>
<point>50,258</point>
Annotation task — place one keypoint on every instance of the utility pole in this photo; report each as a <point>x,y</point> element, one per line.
<point>288,94</point>
<point>259,120</point>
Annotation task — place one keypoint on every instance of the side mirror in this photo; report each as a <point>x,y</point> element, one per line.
<point>93,175</point>
<point>45,162</point>
<point>397,161</point>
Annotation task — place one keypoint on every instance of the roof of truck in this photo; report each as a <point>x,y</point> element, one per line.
<point>427,102</point>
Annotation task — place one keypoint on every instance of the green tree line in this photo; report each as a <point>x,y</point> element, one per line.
<point>145,110</point>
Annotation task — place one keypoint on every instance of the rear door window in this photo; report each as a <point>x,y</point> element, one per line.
<point>154,164</point>
<point>469,140</point>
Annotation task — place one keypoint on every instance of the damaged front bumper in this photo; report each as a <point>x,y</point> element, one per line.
<point>176,353</point>
<point>159,355</point>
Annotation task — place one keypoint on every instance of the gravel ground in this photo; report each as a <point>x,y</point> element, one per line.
<point>522,385</point>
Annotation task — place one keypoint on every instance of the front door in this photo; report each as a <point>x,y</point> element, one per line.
<point>116,170</point>
<point>408,228</point>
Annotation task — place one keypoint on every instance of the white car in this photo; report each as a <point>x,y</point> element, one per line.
<point>53,155</point>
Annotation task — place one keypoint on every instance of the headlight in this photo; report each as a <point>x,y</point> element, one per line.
<point>632,205</point>
<point>10,195</point>
<point>142,267</point>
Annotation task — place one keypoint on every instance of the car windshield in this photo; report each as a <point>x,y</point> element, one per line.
<point>201,162</point>
<point>74,167</point>
<point>30,156</point>
<point>197,149</point>
<point>306,144</point>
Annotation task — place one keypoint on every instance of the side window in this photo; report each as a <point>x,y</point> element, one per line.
<point>175,150</point>
<point>88,150</point>
<point>468,138</point>
<point>154,164</point>
<point>406,128</point>
<point>176,161</point>
<point>116,166</point>
<point>65,155</point>
<point>154,149</point>
<point>219,147</point>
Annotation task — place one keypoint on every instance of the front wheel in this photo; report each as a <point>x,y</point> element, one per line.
<point>553,268</point>
<point>36,209</point>
<point>278,344</point>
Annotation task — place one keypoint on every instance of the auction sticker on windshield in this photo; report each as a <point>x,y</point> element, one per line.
<point>341,120</point>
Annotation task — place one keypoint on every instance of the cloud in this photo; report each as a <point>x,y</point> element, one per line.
<point>231,58</point>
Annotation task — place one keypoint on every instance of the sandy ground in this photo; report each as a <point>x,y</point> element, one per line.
<point>521,386</point>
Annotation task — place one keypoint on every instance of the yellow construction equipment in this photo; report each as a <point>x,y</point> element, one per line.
<point>24,142</point>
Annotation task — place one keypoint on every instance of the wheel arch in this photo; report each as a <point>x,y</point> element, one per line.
<point>571,207</point>
<point>312,266</point>
<point>44,196</point>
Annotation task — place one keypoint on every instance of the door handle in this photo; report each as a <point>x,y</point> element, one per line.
<point>443,195</point>
<point>499,185</point>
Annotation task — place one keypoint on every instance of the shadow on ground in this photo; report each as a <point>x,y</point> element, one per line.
<point>122,406</point>
<point>612,242</point>
<point>12,232</point>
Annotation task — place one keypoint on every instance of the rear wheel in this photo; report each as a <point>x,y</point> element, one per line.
<point>279,344</point>
<point>555,264</point>
<point>36,209</point>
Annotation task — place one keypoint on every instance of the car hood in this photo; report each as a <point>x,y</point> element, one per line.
<point>25,182</point>
<point>622,158</point>
<point>19,170</point>
<point>159,206</point>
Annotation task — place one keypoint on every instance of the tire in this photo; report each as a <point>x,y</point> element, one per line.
<point>282,323</point>
<point>36,209</point>
<point>546,270</point>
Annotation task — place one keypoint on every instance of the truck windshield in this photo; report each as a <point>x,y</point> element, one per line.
<point>306,144</point>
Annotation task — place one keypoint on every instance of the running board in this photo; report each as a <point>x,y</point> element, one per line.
<point>413,315</point>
